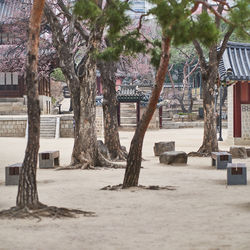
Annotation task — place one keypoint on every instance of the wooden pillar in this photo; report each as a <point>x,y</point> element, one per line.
<point>160,117</point>
<point>137,112</point>
<point>237,110</point>
<point>119,113</point>
<point>49,83</point>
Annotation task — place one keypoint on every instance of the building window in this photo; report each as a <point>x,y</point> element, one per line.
<point>8,80</point>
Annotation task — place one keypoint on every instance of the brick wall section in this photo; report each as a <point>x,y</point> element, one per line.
<point>13,126</point>
<point>67,128</point>
<point>245,121</point>
<point>99,121</point>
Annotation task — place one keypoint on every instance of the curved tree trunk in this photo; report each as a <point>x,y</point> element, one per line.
<point>181,102</point>
<point>135,153</point>
<point>27,189</point>
<point>111,134</point>
<point>210,142</point>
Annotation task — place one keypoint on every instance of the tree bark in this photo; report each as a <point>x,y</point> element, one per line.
<point>210,142</point>
<point>135,153</point>
<point>110,103</point>
<point>27,189</point>
<point>85,150</point>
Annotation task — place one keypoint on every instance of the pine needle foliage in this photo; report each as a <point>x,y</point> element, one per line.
<point>173,16</point>
<point>115,20</point>
<point>87,10</point>
<point>240,18</point>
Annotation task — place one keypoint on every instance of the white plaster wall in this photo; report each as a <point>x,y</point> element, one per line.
<point>43,106</point>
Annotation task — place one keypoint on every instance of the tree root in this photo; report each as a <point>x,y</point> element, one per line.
<point>86,165</point>
<point>199,154</point>
<point>122,155</point>
<point>107,163</point>
<point>44,211</point>
<point>139,187</point>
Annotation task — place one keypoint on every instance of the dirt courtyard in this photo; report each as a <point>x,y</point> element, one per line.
<point>202,213</point>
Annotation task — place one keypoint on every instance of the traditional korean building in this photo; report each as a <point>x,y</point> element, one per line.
<point>12,84</point>
<point>235,71</point>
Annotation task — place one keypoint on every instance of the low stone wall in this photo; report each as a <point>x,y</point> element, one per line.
<point>67,126</point>
<point>12,126</point>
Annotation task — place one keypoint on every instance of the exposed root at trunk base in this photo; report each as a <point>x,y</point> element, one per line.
<point>199,154</point>
<point>102,163</point>
<point>108,164</point>
<point>139,187</point>
<point>44,211</point>
<point>122,155</point>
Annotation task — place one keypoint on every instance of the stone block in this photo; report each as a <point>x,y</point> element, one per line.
<point>12,174</point>
<point>221,159</point>
<point>161,147</point>
<point>236,174</point>
<point>174,157</point>
<point>238,152</point>
<point>49,159</point>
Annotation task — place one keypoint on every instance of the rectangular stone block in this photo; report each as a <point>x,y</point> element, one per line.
<point>163,146</point>
<point>236,174</point>
<point>49,159</point>
<point>12,174</point>
<point>221,159</point>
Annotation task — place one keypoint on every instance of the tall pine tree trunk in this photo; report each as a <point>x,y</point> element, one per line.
<point>111,134</point>
<point>27,189</point>
<point>135,153</point>
<point>210,142</point>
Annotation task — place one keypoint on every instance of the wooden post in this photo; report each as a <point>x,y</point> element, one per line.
<point>137,112</point>
<point>160,117</point>
<point>237,110</point>
<point>119,114</point>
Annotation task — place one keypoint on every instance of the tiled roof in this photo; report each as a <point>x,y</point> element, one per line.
<point>236,59</point>
<point>129,93</point>
<point>6,10</point>
<point>11,8</point>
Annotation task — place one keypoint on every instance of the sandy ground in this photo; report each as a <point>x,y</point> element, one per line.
<point>202,213</point>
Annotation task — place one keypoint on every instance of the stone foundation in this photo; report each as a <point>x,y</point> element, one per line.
<point>67,124</point>
<point>12,126</point>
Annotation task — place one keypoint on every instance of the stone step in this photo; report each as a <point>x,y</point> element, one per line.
<point>11,100</point>
<point>48,127</point>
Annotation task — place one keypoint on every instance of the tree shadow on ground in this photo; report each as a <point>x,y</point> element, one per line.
<point>137,188</point>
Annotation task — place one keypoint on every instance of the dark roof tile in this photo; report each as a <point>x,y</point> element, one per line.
<point>236,59</point>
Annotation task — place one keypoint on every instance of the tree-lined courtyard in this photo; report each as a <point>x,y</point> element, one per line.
<point>95,34</point>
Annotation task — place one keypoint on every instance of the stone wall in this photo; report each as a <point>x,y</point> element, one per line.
<point>12,126</point>
<point>245,125</point>
<point>67,127</point>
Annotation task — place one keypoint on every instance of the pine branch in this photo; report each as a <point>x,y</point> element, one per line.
<point>224,43</point>
<point>200,54</point>
<point>216,13</point>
